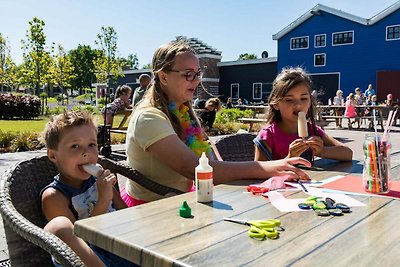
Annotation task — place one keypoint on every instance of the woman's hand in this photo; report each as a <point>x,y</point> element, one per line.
<point>316,144</point>
<point>286,167</point>
<point>297,147</point>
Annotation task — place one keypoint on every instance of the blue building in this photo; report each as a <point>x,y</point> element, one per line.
<point>247,79</point>
<point>344,51</point>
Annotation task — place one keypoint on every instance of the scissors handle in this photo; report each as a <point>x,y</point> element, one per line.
<point>266,224</point>
<point>261,234</point>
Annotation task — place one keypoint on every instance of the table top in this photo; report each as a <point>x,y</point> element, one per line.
<point>153,234</point>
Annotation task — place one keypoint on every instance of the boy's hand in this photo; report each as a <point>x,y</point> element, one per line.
<point>297,147</point>
<point>105,186</point>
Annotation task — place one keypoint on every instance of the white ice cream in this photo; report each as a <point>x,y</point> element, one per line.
<point>302,125</point>
<point>93,169</point>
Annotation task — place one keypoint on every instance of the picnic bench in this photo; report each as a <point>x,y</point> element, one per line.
<point>121,128</point>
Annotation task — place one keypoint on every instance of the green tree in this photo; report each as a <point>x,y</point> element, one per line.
<point>133,61</point>
<point>107,65</point>
<point>62,71</point>
<point>4,52</point>
<point>36,57</point>
<point>147,66</point>
<point>247,56</point>
<point>82,59</point>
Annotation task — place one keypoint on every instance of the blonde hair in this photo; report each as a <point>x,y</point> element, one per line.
<point>164,60</point>
<point>286,80</point>
<point>58,125</point>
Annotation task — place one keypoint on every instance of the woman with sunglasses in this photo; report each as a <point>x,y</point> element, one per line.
<point>165,139</point>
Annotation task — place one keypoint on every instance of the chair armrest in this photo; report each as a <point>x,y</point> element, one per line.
<point>137,177</point>
<point>29,231</point>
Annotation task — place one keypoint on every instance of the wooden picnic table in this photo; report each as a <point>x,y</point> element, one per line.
<point>153,234</point>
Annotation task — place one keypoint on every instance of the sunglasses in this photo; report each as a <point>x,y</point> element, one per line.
<point>190,75</point>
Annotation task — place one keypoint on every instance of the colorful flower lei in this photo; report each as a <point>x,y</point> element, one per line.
<point>193,136</point>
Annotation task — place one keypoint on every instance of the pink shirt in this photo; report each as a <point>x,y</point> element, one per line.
<point>279,141</point>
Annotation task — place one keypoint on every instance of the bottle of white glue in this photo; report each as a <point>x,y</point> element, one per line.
<point>204,180</point>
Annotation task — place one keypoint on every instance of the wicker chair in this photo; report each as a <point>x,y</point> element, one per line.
<point>236,147</point>
<point>23,220</point>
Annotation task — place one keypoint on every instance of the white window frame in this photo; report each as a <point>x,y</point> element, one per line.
<point>238,91</point>
<point>352,41</point>
<point>315,59</point>
<point>315,40</point>
<point>261,87</point>
<point>298,37</point>
<point>387,28</point>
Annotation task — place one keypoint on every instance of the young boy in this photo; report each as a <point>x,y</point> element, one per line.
<point>71,141</point>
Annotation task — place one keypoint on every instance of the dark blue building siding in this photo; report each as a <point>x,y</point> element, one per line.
<point>245,75</point>
<point>357,63</point>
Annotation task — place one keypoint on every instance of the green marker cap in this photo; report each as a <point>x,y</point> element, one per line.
<point>185,211</point>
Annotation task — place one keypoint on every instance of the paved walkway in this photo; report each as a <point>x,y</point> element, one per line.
<point>352,138</point>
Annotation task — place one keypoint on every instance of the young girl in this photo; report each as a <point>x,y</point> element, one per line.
<point>291,93</point>
<point>122,96</point>
<point>350,111</point>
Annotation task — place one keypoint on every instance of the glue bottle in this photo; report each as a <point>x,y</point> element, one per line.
<point>204,180</point>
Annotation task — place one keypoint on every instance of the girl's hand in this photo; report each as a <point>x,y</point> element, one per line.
<point>105,186</point>
<point>316,144</point>
<point>297,147</point>
<point>286,167</point>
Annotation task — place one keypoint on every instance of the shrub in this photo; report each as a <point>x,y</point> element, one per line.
<point>232,115</point>
<point>19,106</point>
<point>57,110</point>
<point>16,142</point>
<point>5,140</point>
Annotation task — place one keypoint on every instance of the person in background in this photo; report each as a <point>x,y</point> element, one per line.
<point>389,100</point>
<point>370,91</point>
<point>239,102</point>
<point>229,103</point>
<point>350,111</point>
<point>338,101</point>
<point>165,139</point>
<point>370,111</point>
<point>208,114</point>
<point>121,102</point>
<point>291,94</point>
<point>359,99</point>
<point>144,81</point>
<point>71,141</point>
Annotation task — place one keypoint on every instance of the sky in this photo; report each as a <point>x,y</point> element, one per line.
<point>231,26</point>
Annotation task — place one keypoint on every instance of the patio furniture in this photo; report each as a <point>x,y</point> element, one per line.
<point>23,219</point>
<point>236,147</point>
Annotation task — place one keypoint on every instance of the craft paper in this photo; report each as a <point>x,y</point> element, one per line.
<point>284,204</point>
<point>353,185</point>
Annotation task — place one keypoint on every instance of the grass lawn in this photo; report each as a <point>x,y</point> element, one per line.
<point>38,124</point>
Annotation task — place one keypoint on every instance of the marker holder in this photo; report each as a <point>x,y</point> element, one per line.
<point>376,171</point>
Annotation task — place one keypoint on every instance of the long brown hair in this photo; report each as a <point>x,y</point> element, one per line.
<point>283,83</point>
<point>163,60</point>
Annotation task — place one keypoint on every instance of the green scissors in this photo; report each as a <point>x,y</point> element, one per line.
<point>261,229</point>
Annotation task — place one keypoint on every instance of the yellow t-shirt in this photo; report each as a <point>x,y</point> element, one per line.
<point>147,126</point>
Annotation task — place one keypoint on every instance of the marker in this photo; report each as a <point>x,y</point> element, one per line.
<point>302,186</point>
